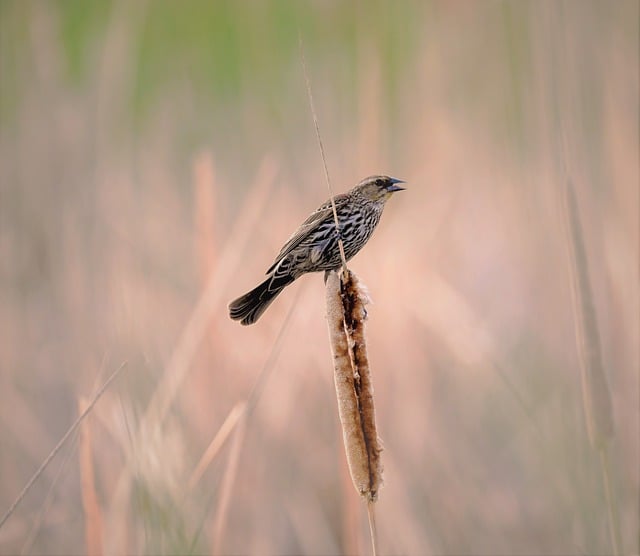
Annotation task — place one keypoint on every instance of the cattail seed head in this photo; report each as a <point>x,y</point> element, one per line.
<point>346,314</point>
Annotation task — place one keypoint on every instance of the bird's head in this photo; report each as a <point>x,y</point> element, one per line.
<point>378,188</point>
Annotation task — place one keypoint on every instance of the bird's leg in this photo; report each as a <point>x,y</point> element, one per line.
<point>326,276</point>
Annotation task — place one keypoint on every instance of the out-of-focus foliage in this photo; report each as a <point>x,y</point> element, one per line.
<point>136,137</point>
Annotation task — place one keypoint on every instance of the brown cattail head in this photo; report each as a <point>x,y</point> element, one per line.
<point>346,314</point>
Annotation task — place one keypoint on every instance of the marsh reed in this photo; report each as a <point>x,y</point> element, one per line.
<point>596,394</point>
<point>132,144</point>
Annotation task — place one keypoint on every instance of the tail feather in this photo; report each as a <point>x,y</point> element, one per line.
<point>249,307</point>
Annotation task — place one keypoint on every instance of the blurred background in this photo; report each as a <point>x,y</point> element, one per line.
<point>154,156</point>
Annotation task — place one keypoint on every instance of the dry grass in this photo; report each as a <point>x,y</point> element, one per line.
<point>596,395</point>
<point>106,252</point>
<point>92,511</point>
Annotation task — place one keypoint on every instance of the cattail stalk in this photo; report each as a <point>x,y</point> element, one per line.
<point>346,314</point>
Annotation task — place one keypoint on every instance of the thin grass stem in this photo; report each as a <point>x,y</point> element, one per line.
<point>373,530</point>
<point>61,443</point>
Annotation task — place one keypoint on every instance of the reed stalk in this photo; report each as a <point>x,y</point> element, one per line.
<point>596,396</point>
<point>346,314</point>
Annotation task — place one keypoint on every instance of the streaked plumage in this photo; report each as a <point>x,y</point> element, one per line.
<point>314,245</point>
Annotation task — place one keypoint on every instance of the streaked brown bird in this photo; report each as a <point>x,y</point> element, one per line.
<point>314,245</point>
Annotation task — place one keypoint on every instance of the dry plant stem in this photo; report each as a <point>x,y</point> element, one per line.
<point>596,396</point>
<point>236,421</point>
<point>324,158</point>
<point>92,511</point>
<point>242,408</point>
<point>345,315</point>
<point>345,318</point>
<point>595,389</point>
<point>182,357</point>
<point>612,504</point>
<point>195,329</point>
<point>269,364</point>
<point>373,530</point>
<point>218,441</point>
<point>226,489</point>
<point>46,503</point>
<point>60,443</point>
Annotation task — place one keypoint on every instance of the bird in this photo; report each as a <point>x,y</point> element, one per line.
<point>313,247</point>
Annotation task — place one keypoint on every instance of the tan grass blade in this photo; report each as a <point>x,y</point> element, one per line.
<point>595,388</point>
<point>596,396</point>
<point>183,354</point>
<point>210,300</point>
<point>237,418</point>
<point>92,511</point>
<point>242,408</point>
<point>218,441</point>
<point>226,488</point>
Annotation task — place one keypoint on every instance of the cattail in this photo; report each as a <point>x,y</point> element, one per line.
<point>346,314</point>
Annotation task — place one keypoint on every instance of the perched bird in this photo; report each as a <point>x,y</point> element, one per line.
<point>314,245</point>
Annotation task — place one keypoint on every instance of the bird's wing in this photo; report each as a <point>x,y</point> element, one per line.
<point>316,218</point>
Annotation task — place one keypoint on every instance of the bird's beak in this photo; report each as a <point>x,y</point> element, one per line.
<point>393,187</point>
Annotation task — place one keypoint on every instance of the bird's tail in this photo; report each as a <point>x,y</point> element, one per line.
<point>249,307</point>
